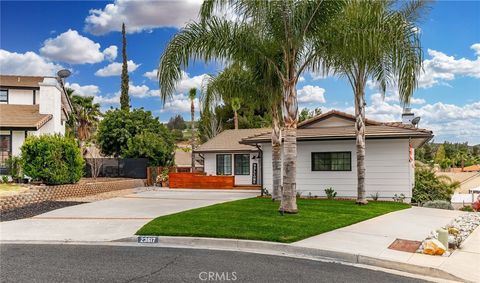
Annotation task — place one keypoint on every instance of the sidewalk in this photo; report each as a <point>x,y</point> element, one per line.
<point>371,238</point>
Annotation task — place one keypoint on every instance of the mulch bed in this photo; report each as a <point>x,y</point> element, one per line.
<point>35,209</point>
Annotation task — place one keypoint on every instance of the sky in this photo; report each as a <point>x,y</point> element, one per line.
<point>42,37</point>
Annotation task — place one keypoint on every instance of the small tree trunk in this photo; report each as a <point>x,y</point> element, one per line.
<point>360,142</point>
<point>192,109</point>
<point>290,117</point>
<point>276,155</point>
<point>235,119</point>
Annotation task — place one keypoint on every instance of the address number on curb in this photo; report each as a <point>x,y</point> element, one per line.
<point>147,240</point>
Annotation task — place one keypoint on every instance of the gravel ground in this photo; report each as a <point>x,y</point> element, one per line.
<point>35,209</point>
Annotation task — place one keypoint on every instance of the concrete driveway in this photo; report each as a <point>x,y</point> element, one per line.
<point>112,219</point>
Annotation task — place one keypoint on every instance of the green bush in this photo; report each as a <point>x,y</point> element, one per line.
<point>331,193</point>
<point>118,127</point>
<point>430,187</point>
<point>14,167</point>
<point>467,208</point>
<point>52,159</point>
<point>441,204</point>
<point>158,150</point>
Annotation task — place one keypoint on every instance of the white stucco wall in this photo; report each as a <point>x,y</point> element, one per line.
<point>50,102</point>
<point>20,96</point>
<point>388,170</point>
<point>210,167</point>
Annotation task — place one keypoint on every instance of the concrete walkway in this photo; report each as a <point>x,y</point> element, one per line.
<point>112,219</point>
<point>372,238</point>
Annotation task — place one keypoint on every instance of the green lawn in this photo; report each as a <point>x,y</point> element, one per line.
<point>258,219</point>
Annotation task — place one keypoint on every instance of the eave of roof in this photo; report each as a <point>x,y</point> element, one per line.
<point>22,117</point>
<point>15,81</point>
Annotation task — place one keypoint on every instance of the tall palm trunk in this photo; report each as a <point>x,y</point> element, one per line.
<point>360,141</point>
<point>192,111</point>
<point>235,119</point>
<point>290,117</point>
<point>276,154</point>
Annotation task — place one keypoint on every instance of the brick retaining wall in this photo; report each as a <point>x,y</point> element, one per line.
<point>39,194</point>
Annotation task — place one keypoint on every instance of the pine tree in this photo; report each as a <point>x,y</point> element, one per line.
<point>124,98</point>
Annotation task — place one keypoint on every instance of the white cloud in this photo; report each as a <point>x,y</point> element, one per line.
<point>141,15</point>
<point>71,47</point>
<point>311,94</point>
<point>442,68</point>
<point>447,121</point>
<point>142,91</point>
<point>301,79</point>
<point>110,53</point>
<point>187,82</point>
<point>152,75</point>
<point>28,63</point>
<point>179,103</point>
<point>108,100</point>
<point>85,90</point>
<point>115,69</point>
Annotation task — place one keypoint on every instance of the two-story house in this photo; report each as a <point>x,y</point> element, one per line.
<point>29,105</point>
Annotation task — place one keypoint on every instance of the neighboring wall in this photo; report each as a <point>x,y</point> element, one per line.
<point>389,171</point>
<point>48,193</point>
<point>210,167</point>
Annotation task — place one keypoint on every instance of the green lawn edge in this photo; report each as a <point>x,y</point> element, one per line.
<point>258,219</point>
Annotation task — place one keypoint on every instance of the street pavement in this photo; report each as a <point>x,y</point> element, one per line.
<point>87,263</point>
<point>114,218</point>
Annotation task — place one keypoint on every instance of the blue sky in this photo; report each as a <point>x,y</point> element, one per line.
<point>38,38</point>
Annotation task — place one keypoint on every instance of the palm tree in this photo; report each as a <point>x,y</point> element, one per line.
<point>248,84</point>
<point>192,95</point>
<point>286,34</point>
<point>371,40</point>
<point>236,103</point>
<point>84,119</point>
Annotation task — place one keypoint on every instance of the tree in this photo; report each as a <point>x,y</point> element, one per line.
<point>236,104</point>
<point>306,114</point>
<point>242,83</point>
<point>118,126</point>
<point>83,121</point>
<point>158,149</point>
<point>192,94</point>
<point>429,186</point>
<point>124,98</point>
<point>440,154</point>
<point>176,123</point>
<point>370,40</point>
<point>285,34</point>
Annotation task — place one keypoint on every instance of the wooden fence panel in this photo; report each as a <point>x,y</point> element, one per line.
<point>200,181</point>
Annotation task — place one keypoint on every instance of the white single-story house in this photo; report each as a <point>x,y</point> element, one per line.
<point>326,156</point>
<point>29,105</point>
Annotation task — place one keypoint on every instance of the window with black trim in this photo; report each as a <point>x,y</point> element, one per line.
<point>332,161</point>
<point>242,164</point>
<point>4,95</point>
<point>224,164</point>
<point>5,149</point>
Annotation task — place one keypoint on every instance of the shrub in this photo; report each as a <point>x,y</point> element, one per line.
<point>158,150</point>
<point>430,187</point>
<point>13,167</point>
<point>4,179</point>
<point>52,159</point>
<point>331,193</point>
<point>119,126</point>
<point>467,208</point>
<point>441,204</point>
<point>375,196</point>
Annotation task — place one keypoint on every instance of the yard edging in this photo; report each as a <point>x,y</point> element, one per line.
<point>282,249</point>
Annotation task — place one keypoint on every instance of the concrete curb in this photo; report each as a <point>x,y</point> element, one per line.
<point>274,248</point>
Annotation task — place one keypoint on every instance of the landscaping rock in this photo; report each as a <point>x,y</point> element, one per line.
<point>458,231</point>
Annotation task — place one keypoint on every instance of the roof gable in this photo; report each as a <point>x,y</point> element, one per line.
<point>332,118</point>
